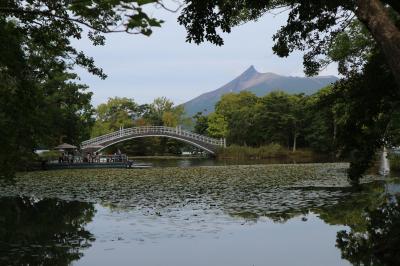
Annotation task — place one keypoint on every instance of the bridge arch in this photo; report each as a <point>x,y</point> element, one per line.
<point>205,143</point>
<point>136,137</point>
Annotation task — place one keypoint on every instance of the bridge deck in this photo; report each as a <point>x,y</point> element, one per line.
<point>203,142</point>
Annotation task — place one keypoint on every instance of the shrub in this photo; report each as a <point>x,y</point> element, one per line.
<point>394,160</point>
<point>237,152</point>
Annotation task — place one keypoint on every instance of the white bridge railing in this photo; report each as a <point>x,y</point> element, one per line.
<point>156,130</point>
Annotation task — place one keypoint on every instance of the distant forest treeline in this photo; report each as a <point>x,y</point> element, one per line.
<point>291,121</point>
<point>124,112</point>
<point>349,119</point>
<point>330,121</point>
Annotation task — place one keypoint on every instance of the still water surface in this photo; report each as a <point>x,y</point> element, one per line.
<point>273,226</point>
<point>219,240</point>
<point>201,161</point>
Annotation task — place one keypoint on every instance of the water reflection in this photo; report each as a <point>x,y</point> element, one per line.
<point>379,242</point>
<point>288,229</point>
<point>232,225</point>
<point>384,167</point>
<point>350,210</point>
<point>206,161</point>
<point>43,232</point>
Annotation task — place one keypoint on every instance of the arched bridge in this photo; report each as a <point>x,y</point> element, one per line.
<point>206,143</point>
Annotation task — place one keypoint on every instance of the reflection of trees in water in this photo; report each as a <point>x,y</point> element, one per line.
<point>350,210</point>
<point>374,221</point>
<point>52,232</point>
<point>379,243</point>
<point>283,204</point>
<point>45,232</point>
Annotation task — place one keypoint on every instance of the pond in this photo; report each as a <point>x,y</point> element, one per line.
<point>303,214</point>
<point>165,161</point>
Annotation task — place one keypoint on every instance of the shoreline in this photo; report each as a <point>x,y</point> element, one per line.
<point>167,157</point>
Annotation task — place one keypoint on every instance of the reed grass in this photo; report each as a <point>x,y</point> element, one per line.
<point>273,150</point>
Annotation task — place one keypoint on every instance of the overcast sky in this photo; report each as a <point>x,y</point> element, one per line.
<point>163,64</point>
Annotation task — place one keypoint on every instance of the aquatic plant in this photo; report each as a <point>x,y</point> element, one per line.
<point>260,189</point>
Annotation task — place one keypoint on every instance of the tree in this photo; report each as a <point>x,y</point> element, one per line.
<point>311,25</point>
<point>320,126</point>
<point>68,110</point>
<point>201,123</point>
<point>174,117</point>
<point>278,117</point>
<point>298,109</point>
<point>15,99</point>
<point>237,109</point>
<point>116,113</point>
<point>41,102</point>
<point>231,102</point>
<point>124,112</point>
<point>51,24</point>
<point>217,126</point>
<point>360,35</point>
<point>245,119</point>
<point>162,112</point>
<point>363,104</point>
<point>363,113</point>
<point>153,113</point>
<point>242,126</point>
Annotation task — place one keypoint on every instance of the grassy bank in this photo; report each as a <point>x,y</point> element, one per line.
<point>235,152</point>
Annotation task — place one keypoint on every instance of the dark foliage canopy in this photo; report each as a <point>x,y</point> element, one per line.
<point>42,102</point>
<point>311,25</point>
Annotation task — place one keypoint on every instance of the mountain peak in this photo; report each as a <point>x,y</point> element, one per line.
<point>249,73</point>
<point>258,83</point>
<point>250,70</point>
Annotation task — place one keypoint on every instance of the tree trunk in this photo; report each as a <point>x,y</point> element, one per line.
<point>377,19</point>
<point>294,142</point>
<point>334,130</point>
